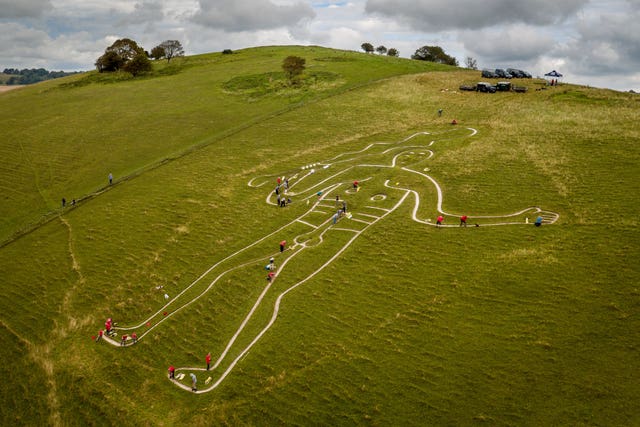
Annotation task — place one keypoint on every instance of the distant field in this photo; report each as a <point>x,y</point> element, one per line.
<point>409,325</point>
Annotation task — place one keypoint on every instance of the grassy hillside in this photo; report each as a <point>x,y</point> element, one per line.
<point>62,140</point>
<point>410,325</point>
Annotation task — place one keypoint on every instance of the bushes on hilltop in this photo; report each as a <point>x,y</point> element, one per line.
<point>368,48</point>
<point>434,54</point>
<point>126,55</point>
<point>122,52</point>
<point>167,49</point>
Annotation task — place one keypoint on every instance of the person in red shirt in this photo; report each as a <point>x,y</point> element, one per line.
<point>355,184</point>
<point>282,245</point>
<point>107,326</point>
<point>463,221</point>
<point>99,335</point>
<point>134,337</point>
<point>172,372</point>
<point>123,340</point>
<point>439,220</point>
<point>208,360</point>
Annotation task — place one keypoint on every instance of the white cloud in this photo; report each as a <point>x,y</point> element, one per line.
<point>10,9</point>
<point>147,12</point>
<point>513,44</point>
<point>250,15</point>
<point>31,48</point>
<point>434,15</point>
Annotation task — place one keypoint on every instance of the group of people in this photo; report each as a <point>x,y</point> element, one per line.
<point>463,220</point>
<point>281,192</point>
<point>341,211</point>
<point>194,379</point>
<point>73,201</point>
<point>64,202</point>
<point>109,331</point>
<point>123,339</point>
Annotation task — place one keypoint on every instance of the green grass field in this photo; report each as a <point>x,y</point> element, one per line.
<point>410,325</point>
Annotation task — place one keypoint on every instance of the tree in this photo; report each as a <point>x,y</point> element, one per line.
<point>393,52</point>
<point>110,61</point>
<point>367,47</point>
<point>172,49</point>
<point>139,64</point>
<point>434,54</point>
<point>471,63</point>
<point>157,52</point>
<point>381,50</point>
<point>118,54</point>
<point>127,49</point>
<point>293,66</point>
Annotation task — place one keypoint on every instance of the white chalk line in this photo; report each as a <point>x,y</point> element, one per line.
<point>302,245</point>
<point>534,209</point>
<point>276,309</point>
<point>357,233</point>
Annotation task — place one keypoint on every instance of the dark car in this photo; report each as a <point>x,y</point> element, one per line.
<point>503,86</point>
<point>519,74</point>
<point>488,74</point>
<point>485,87</point>
<point>502,73</point>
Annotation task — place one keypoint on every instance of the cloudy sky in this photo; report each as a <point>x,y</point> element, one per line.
<point>592,42</point>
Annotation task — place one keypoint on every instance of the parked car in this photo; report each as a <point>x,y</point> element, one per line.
<point>485,87</point>
<point>515,73</point>
<point>467,87</point>
<point>488,74</point>
<point>521,74</point>
<point>503,86</point>
<point>502,73</point>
